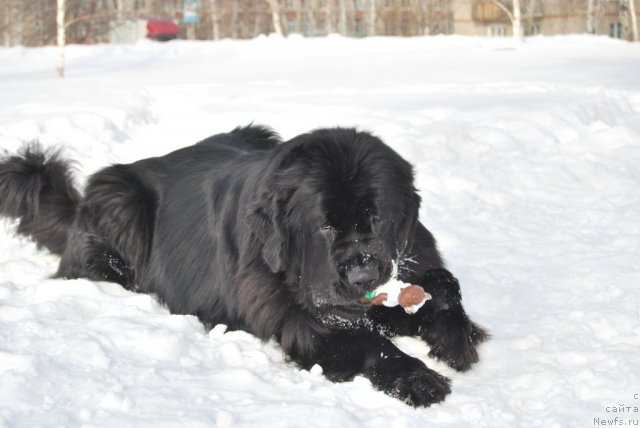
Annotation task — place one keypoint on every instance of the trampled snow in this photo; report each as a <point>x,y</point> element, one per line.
<point>527,160</point>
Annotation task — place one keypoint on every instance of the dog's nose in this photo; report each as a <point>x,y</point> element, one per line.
<point>363,276</point>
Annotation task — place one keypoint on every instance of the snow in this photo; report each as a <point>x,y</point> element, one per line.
<point>527,163</point>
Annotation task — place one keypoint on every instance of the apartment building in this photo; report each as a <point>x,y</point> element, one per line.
<point>548,17</point>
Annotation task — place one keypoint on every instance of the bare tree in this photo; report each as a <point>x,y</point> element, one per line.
<point>257,23</point>
<point>434,16</point>
<point>5,25</point>
<point>119,10</point>
<point>312,18</point>
<point>61,27</point>
<point>634,20</point>
<point>329,16</point>
<point>530,10</point>
<point>215,19</point>
<point>517,20</point>
<point>515,16</point>
<point>591,16</point>
<point>274,5</point>
<point>423,11</point>
<point>398,24</point>
<point>234,19</point>
<point>342,22</point>
<point>34,22</point>
<point>298,11</point>
<point>371,18</point>
<point>14,10</point>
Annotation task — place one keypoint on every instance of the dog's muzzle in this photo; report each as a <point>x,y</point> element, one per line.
<point>364,277</point>
<point>364,272</point>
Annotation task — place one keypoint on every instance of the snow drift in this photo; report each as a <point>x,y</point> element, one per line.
<point>527,163</point>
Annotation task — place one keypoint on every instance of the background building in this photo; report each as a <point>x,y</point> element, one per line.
<point>547,17</point>
<point>32,23</point>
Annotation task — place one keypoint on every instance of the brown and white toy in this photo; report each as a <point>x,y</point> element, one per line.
<point>394,293</point>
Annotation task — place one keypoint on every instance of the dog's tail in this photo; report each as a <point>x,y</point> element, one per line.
<point>36,187</point>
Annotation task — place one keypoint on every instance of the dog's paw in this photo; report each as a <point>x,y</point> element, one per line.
<point>453,339</point>
<point>409,380</point>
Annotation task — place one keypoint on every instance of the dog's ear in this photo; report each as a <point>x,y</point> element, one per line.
<point>265,218</point>
<point>266,215</point>
<point>409,221</point>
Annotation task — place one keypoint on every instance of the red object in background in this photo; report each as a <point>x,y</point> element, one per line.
<point>162,30</point>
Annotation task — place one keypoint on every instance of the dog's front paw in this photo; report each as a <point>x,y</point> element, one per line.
<point>454,338</point>
<point>409,380</point>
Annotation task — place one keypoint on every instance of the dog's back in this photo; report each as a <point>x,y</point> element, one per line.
<point>245,139</point>
<point>108,232</point>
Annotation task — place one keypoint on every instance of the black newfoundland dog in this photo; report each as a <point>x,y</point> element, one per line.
<point>280,239</point>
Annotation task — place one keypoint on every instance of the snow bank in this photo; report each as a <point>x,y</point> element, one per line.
<point>527,163</point>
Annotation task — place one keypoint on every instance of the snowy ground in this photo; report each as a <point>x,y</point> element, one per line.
<point>527,161</point>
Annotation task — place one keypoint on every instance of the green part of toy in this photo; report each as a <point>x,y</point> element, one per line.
<point>370,295</point>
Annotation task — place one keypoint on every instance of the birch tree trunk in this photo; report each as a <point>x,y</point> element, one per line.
<point>634,20</point>
<point>119,10</point>
<point>15,22</point>
<point>517,21</point>
<point>6,34</point>
<point>591,24</point>
<point>312,19</point>
<point>371,27</point>
<point>398,18</point>
<point>275,16</point>
<point>515,17</point>
<point>298,6</point>
<point>215,19</point>
<point>329,17</point>
<point>422,10</point>
<point>342,27</point>
<point>234,20</point>
<point>60,39</point>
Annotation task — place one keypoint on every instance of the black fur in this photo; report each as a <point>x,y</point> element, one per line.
<point>265,237</point>
<point>37,188</point>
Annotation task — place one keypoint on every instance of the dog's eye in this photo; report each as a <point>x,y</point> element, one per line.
<point>328,231</point>
<point>326,227</point>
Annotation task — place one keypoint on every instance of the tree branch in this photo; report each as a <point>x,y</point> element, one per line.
<point>505,9</point>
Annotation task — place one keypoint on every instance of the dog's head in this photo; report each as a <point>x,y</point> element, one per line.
<point>334,217</point>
